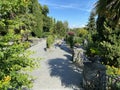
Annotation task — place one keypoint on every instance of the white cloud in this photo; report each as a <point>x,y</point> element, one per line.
<point>65,6</point>
<point>77,26</point>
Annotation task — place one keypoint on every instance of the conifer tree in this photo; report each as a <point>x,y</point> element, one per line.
<point>91,26</point>
<point>36,10</point>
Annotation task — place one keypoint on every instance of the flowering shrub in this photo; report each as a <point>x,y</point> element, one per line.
<point>71,33</point>
<point>70,38</point>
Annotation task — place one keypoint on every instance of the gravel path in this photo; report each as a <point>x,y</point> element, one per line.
<point>56,71</point>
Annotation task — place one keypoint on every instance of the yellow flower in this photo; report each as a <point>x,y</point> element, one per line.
<point>7,78</point>
<point>113,67</point>
<point>119,71</point>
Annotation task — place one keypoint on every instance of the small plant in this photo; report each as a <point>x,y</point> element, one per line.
<point>92,51</point>
<point>50,41</point>
<point>114,77</point>
<point>26,44</point>
<point>77,41</point>
<point>111,70</point>
<point>70,39</point>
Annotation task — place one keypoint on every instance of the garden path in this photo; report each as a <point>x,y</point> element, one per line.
<point>56,71</point>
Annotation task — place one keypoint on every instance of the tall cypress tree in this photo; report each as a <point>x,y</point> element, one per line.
<point>36,9</point>
<point>91,26</point>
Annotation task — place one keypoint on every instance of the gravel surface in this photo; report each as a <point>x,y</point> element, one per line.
<point>56,71</point>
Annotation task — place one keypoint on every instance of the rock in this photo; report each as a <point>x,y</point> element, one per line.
<point>94,76</point>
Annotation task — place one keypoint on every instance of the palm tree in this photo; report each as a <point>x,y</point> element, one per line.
<point>110,9</point>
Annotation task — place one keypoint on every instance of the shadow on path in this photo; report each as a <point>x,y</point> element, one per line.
<point>64,69</point>
<point>65,48</point>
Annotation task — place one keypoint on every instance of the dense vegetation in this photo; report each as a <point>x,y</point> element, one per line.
<point>14,60</point>
<point>105,39</point>
<point>103,36</point>
<point>14,28</point>
<point>20,19</point>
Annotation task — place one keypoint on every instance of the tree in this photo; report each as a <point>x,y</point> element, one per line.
<point>10,10</point>
<point>61,28</point>
<point>110,9</point>
<point>16,15</point>
<point>46,24</point>
<point>91,26</point>
<point>36,10</point>
<point>45,10</point>
<point>108,31</point>
<point>65,24</point>
<point>81,32</point>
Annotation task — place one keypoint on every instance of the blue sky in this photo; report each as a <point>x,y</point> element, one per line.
<point>76,12</point>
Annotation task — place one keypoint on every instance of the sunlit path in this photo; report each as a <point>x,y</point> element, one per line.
<point>56,71</point>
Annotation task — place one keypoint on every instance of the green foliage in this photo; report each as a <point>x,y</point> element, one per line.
<point>117,85</point>
<point>113,74</point>
<point>71,42</point>
<point>70,39</point>
<point>45,10</point>
<point>47,24</point>
<point>76,36</point>
<point>36,10</point>
<point>107,37</point>
<point>61,28</point>
<point>17,6</point>
<point>50,41</point>
<point>46,34</point>
<point>15,15</point>
<point>78,40</point>
<point>111,53</point>
<point>91,26</point>
<point>92,50</point>
<point>82,33</point>
<point>110,9</point>
<point>13,61</point>
<point>110,46</point>
<point>26,44</point>
<point>111,70</point>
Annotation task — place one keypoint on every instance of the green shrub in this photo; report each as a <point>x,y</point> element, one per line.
<point>92,49</point>
<point>13,61</point>
<point>50,41</point>
<point>70,38</point>
<point>71,41</point>
<point>111,53</point>
<point>114,75</point>
<point>111,70</point>
<point>78,40</point>
<point>26,44</point>
<point>46,34</point>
